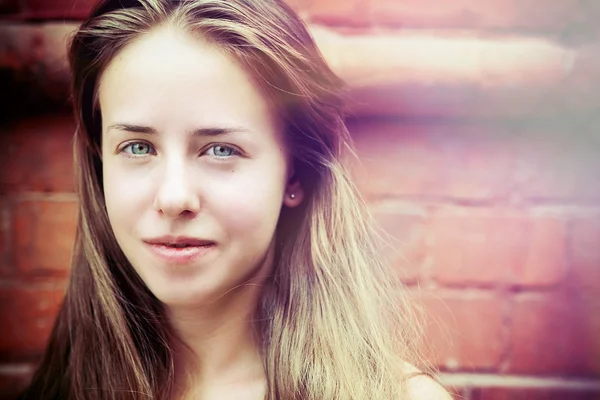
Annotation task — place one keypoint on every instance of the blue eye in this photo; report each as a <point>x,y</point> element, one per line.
<point>221,151</point>
<point>138,149</point>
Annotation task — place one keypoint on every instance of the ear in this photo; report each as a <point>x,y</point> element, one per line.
<point>294,192</point>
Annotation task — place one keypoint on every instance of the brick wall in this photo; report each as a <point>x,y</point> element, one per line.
<point>476,123</point>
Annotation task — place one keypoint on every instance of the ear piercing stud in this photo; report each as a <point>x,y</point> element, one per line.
<point>293,196</point>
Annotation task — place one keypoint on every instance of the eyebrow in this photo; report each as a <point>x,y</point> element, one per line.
<point>202,132</point>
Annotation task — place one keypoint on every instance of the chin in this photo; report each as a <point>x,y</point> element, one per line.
<point>174,298</point>
<point>177,290</point>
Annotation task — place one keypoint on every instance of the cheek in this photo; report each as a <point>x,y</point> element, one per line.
<point>123,195</point>
<point>251,202</point>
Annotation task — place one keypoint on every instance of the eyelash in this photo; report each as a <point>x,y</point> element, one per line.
<point>235,152</point>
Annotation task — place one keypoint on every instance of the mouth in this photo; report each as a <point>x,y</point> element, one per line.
<point>181,253</point>
<point>181,245</point>
<point>178,241</point>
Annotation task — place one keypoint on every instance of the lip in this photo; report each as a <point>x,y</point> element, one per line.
<point>182,255</point>
<point>170,239</point>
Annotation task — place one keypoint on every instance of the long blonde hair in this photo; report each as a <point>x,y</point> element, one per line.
<point>335,323</point>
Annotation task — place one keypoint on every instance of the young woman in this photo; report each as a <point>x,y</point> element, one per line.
<point>222,251</point>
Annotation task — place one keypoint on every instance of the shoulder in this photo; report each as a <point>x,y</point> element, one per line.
<point>421,386</point>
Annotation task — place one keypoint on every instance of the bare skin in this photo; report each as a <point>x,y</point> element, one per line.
<point>226,188</point>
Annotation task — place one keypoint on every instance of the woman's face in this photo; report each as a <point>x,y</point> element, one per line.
<point>192,156</point>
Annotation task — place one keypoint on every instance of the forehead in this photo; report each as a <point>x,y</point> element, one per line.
<point>168,79</point>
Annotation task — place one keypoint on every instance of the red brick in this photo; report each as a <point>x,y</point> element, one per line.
<point>37,156</point>
<point>476,14</point>
<point>497,246</point>
<point>43,234</point>
<point>474,162</point>
<point>462,75</point>
<point>585,71</point>
<point>464,331</point>
<point>9,6</point>
<point>584,251</point>
<point>477,162</point>
<point>12,384</point>
<point>58,9</point>
<point>80,9</point>
<point>510,15</point>
<point>556,333</point>
<point>544,262</point>
<point>533,394</point>
<point>4,228</point>
<point>562,166</point>
<point>27,317</point>
<point>464,162</point>
<point>406,249</point>
<point>337,12</point>
<point>298,5</point>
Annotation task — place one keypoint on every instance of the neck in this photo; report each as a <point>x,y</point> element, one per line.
<point>219,339</point>
<point>218,342</point>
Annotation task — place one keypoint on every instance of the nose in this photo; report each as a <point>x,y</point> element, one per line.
<point>175,195</point>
